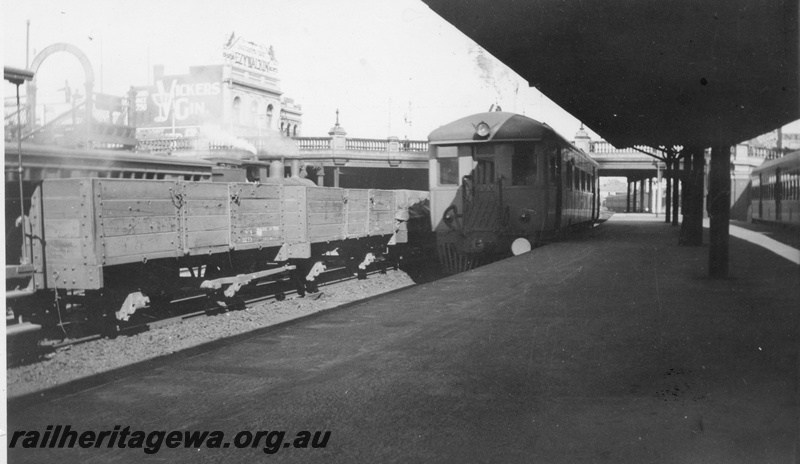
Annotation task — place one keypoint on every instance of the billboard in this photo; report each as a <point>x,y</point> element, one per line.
<point>250,56</point>
<point>193,99</point>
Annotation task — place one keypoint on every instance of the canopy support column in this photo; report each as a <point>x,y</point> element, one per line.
<point>628,198</point>
<point>692,226</point>
<point>719,210</point>
<point>676,181</point>
<point>668,196</point>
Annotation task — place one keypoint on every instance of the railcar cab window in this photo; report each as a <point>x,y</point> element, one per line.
<point>524,164</point>
<point>447,164</point>
<point>484,171</point>
<point>484,164</point>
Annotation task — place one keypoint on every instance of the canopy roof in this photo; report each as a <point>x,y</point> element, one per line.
<point>683,72</point>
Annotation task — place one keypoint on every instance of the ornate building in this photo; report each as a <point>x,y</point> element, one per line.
<point>241,97</point>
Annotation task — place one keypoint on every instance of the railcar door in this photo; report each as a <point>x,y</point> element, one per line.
<point>555,168</point>
<point>482,198</point>
<point>760,196</point>
<point>594,193</point>
<point>778,194</point>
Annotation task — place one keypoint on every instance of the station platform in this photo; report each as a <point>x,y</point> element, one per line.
<point>612,345</point>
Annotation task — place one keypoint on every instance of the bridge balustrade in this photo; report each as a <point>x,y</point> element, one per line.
<point>367,144</point>
<point>603,147</point>
<point>414,145</point>
<point>313,143</point>
<point>766,153</point>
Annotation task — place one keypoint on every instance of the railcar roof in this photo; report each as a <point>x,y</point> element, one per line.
<point>791,160</point>
<point>503,127</point>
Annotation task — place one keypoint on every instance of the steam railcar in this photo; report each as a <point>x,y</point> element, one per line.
<point>501,183</point>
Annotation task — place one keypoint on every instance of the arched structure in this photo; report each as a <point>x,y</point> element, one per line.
<point>87,70</point>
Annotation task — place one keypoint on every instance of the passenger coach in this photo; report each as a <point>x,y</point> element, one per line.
<point>775,192</point>
<point>502,183</point>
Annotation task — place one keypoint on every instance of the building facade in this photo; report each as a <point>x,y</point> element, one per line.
<point>240,97</point>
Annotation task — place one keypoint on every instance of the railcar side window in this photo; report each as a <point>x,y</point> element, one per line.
<point>448,171</point>
<point>576,179</point>
<point>570,179</point>
<point>519,167</point>
<point>553,169</point>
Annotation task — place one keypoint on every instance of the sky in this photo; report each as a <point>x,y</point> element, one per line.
<point>391,67</point>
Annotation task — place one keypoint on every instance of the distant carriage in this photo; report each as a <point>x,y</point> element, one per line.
<point>619,203</point>
<point>775,191</point>
<point>501,183</point>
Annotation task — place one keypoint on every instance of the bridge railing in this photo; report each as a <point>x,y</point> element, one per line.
<point>168,144</point>
<point>414,145</point>
<point>367,144</point>
<point>603,147</point>
<point>767,153</point>
<point>313,143</point>
<point>387,145</point>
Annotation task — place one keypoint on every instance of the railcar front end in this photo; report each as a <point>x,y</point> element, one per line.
<point>501,183</point>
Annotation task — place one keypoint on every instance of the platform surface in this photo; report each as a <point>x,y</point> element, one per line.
<point>610,346</point>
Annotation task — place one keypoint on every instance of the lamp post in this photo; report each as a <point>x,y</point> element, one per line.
<point>19,77</point>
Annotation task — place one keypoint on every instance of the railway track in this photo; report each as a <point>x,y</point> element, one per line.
<point>28,342</point>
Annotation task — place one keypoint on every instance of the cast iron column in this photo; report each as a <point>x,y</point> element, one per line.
<point>692,226</point>
<point>628,197</point>
<point>641,196</point>
<point>695,237</point>
<point>676,178</point>
<point>668,196</point>
<point>719,210</point>
<point>686,192</point>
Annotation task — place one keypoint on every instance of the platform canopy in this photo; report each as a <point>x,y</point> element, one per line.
<point>647,72</point>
